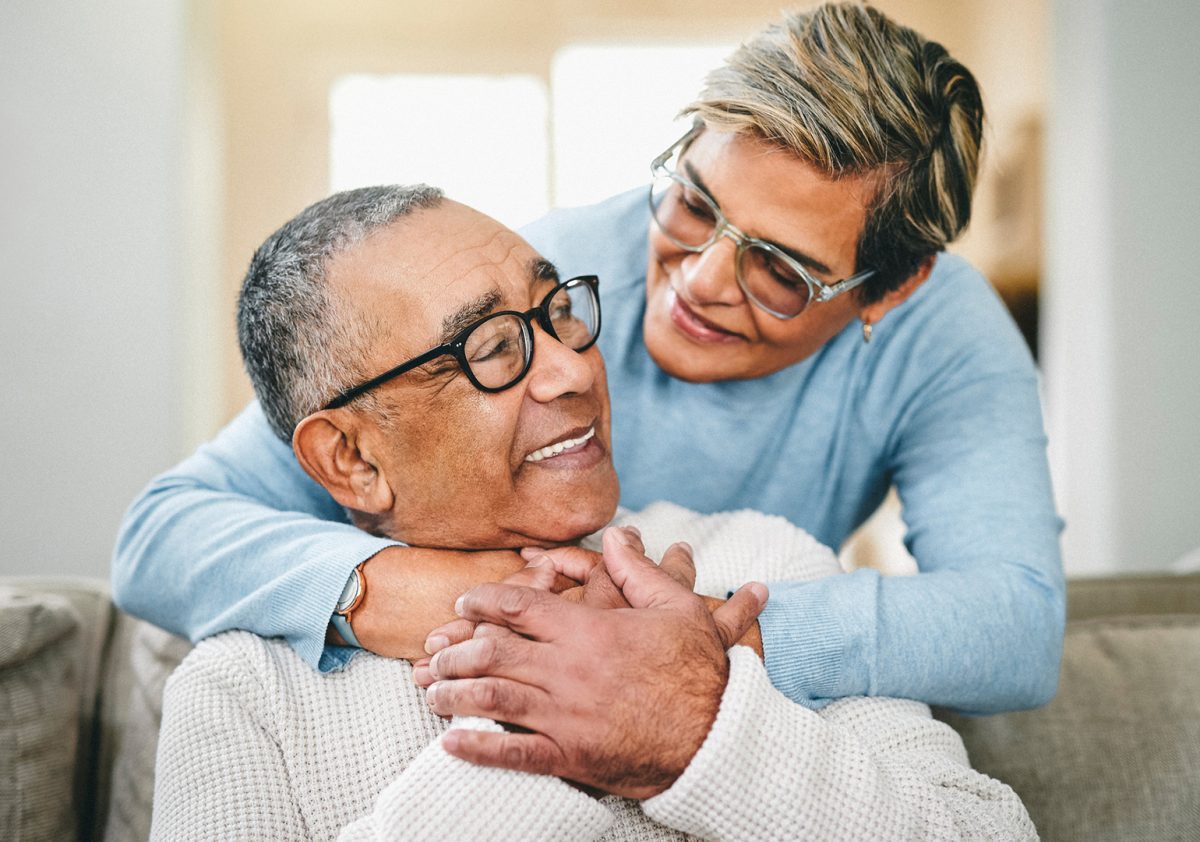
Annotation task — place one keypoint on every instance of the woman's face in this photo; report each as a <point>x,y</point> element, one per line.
<point>699,325</point>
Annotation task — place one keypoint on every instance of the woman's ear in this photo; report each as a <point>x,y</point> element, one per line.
<point>331,448</point>
<point>873,313</point>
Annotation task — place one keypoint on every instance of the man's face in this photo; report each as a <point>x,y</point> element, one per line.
<point>457,459</point>
<point>699,325</point>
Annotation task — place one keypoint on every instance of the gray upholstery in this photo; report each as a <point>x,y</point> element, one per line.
<point>1116,755</point>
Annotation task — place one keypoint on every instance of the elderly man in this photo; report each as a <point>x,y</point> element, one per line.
<point>493,432</point>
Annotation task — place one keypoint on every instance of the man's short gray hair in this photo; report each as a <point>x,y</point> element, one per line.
<point>298,346</point>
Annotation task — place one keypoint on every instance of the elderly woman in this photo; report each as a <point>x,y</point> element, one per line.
<point>790,337</point>
<point>501,362</point>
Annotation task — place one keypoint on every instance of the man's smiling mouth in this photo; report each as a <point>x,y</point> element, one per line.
<point>569,445</point>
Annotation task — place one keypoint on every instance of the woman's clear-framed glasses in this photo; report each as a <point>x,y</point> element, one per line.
<point>496,351</point>
<point>773,280</point>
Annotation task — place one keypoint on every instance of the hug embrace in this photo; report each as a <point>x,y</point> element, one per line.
<point>410,521</point>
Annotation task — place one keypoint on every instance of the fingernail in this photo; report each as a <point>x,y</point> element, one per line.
<point>458,606</point>
<point>760,591</point>
<point>620,537</point>
<point>529,553</point>
<point>431,694</point>
<point>634,530</point>
<point>422,675</point>
<point>433,666</point>
<point>436,643</point>
<point>687,548</point>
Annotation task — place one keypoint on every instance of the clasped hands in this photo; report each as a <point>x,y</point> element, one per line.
<point>612,685</point>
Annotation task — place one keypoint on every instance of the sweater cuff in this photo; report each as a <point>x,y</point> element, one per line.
<point>315,604</point>
<point>709,799</point>
<point>818,637</point>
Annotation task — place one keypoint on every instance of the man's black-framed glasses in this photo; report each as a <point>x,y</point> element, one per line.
<point>771,279</point>
<point>496,351</point>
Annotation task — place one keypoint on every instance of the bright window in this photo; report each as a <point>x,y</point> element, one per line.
<point>482,139</point>
<point>486,139</point>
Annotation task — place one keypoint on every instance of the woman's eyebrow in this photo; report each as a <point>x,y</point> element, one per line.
<point>795,254</point>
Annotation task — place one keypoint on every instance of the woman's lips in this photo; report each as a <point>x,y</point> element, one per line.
<point>695,327</point>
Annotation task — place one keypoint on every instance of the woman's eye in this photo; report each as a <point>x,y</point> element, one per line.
<point>697,206</point>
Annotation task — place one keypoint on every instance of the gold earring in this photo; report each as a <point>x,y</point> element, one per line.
<point>866,331</point>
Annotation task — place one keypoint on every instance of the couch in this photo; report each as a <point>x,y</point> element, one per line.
<point>1116,755</point>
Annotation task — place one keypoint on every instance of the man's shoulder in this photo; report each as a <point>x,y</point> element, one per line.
<point>744,542</point>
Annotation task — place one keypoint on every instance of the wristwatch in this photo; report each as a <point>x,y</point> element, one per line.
<point>352,597</point>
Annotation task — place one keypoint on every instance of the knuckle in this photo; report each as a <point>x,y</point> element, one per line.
<point>487,695</point>
<point>516,602</point>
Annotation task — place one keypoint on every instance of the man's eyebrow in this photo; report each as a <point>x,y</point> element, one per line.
<point>472,311</point>
<point>541,269</point>
<point>797,255</point>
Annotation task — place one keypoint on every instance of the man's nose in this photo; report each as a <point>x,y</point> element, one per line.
<point>557,370</point>
<point>709,276</point>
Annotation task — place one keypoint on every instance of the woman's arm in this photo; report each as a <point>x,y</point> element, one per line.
<point>238,536</point>
<point>980,628</point>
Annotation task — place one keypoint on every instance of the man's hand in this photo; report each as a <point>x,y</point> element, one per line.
<point>620,699</point>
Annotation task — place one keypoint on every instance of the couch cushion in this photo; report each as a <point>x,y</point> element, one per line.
<point>141,659</point>
<point>40,700</point>
<point>1116,755</point>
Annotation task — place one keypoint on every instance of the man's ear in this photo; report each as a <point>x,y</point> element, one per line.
<point>330,447</point>
<point>873,313</point>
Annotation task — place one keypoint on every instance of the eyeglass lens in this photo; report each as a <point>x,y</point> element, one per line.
<point>498,350</point>
<point>690,219</point>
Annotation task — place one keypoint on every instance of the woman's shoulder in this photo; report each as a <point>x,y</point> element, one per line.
<point>607,239</point>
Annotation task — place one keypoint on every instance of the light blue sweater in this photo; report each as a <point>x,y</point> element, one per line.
<point>942,403</point>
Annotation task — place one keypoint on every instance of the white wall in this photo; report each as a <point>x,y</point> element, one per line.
<point>1122,293</point>
<point>91,271</point>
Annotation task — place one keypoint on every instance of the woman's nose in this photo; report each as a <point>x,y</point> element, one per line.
<point>710,276</point>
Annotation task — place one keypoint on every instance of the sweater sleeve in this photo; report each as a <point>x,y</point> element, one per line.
<point>861,768</point>
<point>221,774</point>
<point>238,537</point>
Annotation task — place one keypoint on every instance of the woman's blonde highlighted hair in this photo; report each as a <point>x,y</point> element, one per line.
<point>851,92</point>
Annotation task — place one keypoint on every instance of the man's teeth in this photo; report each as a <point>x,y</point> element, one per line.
<point>555,449</point>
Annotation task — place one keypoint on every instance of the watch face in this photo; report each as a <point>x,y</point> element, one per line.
<point>350,592</point>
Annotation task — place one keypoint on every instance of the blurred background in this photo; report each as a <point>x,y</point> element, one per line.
<point>147,147</point>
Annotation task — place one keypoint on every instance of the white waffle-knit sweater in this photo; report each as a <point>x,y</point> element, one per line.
<point>257,745</point>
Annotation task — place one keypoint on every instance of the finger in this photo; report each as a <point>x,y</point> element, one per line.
<point>537,614</point>
<point>493,630</point>
<point>538,572</point>
<point>572,562</point>
<point>507,657</point>
<point>422,677</point>
<point>601,592</point>
<point>635,538</point>
<point>533,753</point>
<point>641,581</point>
<point>455,631</point>
<point>737,615</point>
<point>679,563</point>
<point>494,698</point>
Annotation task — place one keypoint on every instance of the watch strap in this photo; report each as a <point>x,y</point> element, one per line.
<point>342,625</point>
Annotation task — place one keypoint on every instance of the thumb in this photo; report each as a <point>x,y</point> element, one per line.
<point>642,582</point>
<point>737,615</point>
